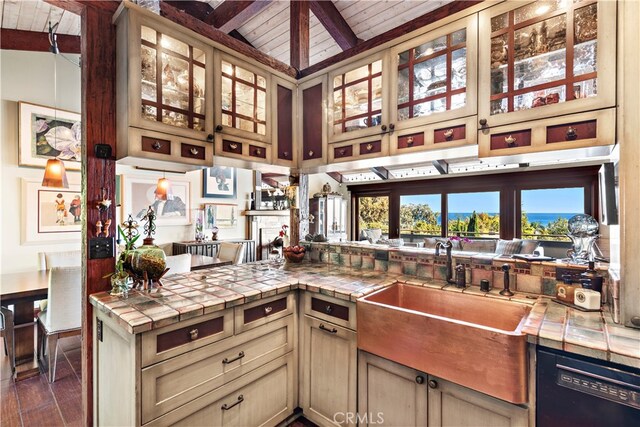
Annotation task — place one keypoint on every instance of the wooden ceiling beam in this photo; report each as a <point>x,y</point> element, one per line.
<point>231,14</point>
<point>208,31</point>
<point>236,35</point>
<point>330,17</point>
<point>299,19</point>
<point>36,41</point>
<point>77,6</point>
<point>336,176</point>
<point>421,21</point>
<point>382,172</point>
<point>198,9</point>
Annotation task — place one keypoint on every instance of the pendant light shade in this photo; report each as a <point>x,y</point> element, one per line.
<point>55,174</point>
<point>163,190</point>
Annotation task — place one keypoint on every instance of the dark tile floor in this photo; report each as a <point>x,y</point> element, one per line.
<point>35,402</point>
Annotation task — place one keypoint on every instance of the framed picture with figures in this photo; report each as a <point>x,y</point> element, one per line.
<point>138,193</point>
<point>220,182</point>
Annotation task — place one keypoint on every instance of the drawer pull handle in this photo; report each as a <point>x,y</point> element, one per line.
<point>156,145</point>
<point>410,140</point>
<point>572,133</point>
<point>285,154</point>
<point>328,308</point>
<point>193,334</point>
<point>369,147</point>
<point>384,128</point>
<point>342,151</point>
<point>324,328</point>
<point>226,407</point>
<point>194,151</point>
<point>268,310</point>
<point>226,360</point>
<point>448,134</point>
<point>233,146</point>
<point>510,140</point>
<point>257,152</point>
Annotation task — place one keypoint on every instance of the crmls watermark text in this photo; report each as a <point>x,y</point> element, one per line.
<point>354,418</point>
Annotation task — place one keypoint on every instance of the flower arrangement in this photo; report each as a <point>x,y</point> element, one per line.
<point>458,238</point>
<point>283,232</point>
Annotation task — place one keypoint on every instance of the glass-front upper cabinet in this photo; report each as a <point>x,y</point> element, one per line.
<point>168,86</point>
<point>545,58</point>
<point>358,99</point>
<point>241,108</point>
<point>435,75</point>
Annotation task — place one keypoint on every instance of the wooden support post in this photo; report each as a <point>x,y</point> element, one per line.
<point>299,19</point>
<point>303,204</point>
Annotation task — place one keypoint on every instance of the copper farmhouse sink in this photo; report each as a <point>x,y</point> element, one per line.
<point>471,340</point>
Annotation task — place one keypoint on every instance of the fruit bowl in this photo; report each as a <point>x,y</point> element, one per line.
<point>294,254</point>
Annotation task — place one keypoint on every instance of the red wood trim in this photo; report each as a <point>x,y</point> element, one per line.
<point>218,36</point>
<point>182,336</point>
<point>231,147</point>
<point>510,59</point>
<point>312,122</point>
<point>231,14</point>
<point>519,138</point>
<point>426,19</point>
<point>409,141</point>
<point>587,129</point>
<point>459,133</point>
<point>337,176</point>
<point>78,6</point>
<point>264,310</point>
<point>370,147</point>
<point>299,34</point>
<point>186,151</point>
<point>330,309</point>
<point>334,23</point>
<point>345,151</point>
<point>285,126</point>
<point>257,151</point>
<point>156,145</point>
<point>35,41</point>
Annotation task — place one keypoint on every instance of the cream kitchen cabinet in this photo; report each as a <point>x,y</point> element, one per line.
<point>358,99</point>
<point>545,59</point>
<point>392,394</point>
<point>164,85</point>
<point>434,76</point>
<point>435,136</point>
<point>328,360</point>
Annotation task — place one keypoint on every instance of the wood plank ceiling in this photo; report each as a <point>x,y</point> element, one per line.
<point>34,15</point>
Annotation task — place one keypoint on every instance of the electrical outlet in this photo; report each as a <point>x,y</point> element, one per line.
<point>101,247</point>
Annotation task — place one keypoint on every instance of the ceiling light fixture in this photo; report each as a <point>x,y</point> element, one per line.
<point>163,189</point>
<point>55,174</point>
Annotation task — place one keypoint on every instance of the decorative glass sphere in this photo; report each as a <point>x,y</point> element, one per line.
<point>583,225</point>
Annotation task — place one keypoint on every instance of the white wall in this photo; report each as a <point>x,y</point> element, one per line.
<point>28,76</point>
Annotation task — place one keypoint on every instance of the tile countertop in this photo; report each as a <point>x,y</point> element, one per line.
<point>189,295</point>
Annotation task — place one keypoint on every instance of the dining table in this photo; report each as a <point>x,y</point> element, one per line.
<point>200,262</point>
<point>21,290</point>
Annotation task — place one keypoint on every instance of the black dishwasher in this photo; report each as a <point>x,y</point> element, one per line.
<point>579,391</point>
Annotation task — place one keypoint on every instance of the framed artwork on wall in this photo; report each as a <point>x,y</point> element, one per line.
<point>51,214</point>
<point>47,133</point>
<point>220,182</point>
<point>138,193</point>
<point>220,215</point>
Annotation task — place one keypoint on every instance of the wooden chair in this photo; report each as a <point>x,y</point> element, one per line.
<point>63,316</point>
<point>233,252</point>
<point>178,264</point>
<point>6,330</point>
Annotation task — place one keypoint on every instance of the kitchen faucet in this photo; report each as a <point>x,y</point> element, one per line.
<point>447,246</point>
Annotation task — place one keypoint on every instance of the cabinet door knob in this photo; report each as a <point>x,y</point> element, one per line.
<point>210,137</point>
<point>310,153</point>
<point>285,154</point>
<point>448,134</point>
<point>410,140</point>
<point>510,140</point>
<point>219,128</point>
<point>483,122</point>
<point>193,334</point>
<point>257,152</point>
<point>433,384</point>
<point>233,146</point>
<point>324,328</point>
<point>194,151</point>
<point>226,407</point>
<point>392,126</point>
<point>342,151</point>
<point>384,128</point>
<point>572,133</point>
<point>156,145</point>
<point>268,309</point>
<point>369,147</point>
<point>419,379</point>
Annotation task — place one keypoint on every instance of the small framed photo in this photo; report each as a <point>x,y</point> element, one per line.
<point>220,215</point>
<point>47,133</point>
<point>51,214</point>
<point>219,182</point>
<point>138,193</point>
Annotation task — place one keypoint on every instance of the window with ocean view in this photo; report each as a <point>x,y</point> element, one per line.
<point>474,214</point>
<point>545,213</point>
<point>420,216</point>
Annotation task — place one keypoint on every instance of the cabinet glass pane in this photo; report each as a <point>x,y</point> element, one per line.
<point>358,102</point>
<point>198,90</point>
<point>432,75</point>
<point>174,119</point>
<point>170,44</point>
<point>357,74</point>
<point>149,113</point>
<point>549,65</point>
<point>199,56</point>
<point>244,99</point>
<point>149,76</point>
<point>148,34</point>
<point>175,82</point>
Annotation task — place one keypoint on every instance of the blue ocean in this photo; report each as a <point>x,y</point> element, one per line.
<point>541,218</point>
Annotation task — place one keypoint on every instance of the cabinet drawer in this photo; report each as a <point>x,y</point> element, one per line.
<point>346,151</point>
<point>163,343</point>
<point>264,396</point>
<point>448,134</point>
<point>172,383</point>
<point>331,309</point>
<point>572,131</point>
<point>189,151</point>
<point>520,138</point>
<point>258,313</point>
<point>255,151</point>
<point>411,140</point>
<point>231,147</point>
<point>156,145</point>
<point>371,147</point>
